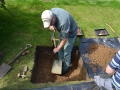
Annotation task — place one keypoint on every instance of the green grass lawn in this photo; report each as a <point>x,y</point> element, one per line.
<point>27,28</point>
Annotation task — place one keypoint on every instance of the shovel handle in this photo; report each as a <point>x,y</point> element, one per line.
<point>27,46</point>
<point>112,29</point>
<point>53,39</point>
<point>54,42</point>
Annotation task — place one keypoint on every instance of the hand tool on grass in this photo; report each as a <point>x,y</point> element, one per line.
<point>2,5</point>
<point>4,68</point>
<point>113,32</point>
<point>24,72</point>
<point>23,75</point>
<point>57,64</point>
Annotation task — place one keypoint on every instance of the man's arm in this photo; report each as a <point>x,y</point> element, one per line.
<point>62,43</point>
<point>114,64</point>
<point>109,70</point>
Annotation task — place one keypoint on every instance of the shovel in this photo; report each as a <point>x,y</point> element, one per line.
<point>4,68</point>
<point>113,32</point>
<point>57,64</point>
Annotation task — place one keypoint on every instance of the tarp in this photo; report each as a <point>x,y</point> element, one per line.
<point>81,86</point>
<point>85,43</point>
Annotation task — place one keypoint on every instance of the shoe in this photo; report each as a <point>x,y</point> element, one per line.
<point>63,72</point>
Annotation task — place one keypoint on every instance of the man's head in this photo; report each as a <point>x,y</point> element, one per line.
<point>46,17</point>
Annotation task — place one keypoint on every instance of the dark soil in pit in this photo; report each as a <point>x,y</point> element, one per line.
<point>44,57</point>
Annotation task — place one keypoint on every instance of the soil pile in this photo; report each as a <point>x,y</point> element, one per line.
<point>100,55</point>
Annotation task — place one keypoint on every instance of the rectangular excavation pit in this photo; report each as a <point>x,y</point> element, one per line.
<point>44,56</point>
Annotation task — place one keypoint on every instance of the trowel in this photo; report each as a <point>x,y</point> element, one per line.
<point>57,64</point>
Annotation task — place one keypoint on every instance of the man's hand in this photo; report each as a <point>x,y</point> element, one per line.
<point>62,43</point>
<point>52,28</point>
<point>55,50</point>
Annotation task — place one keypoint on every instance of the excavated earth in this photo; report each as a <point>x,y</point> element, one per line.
<point>99,55</point>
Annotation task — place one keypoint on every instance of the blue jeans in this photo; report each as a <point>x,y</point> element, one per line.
<point>65,53</point>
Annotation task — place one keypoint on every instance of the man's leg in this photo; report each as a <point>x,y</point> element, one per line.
<point>65,54</point>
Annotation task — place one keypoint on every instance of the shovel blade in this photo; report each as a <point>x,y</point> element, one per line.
<point>57,67</point>
<point>4,68</point>
<point>118,39</point>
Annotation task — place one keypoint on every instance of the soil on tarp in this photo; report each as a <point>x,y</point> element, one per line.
<point>44,57</point>
<point>100,55</point>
